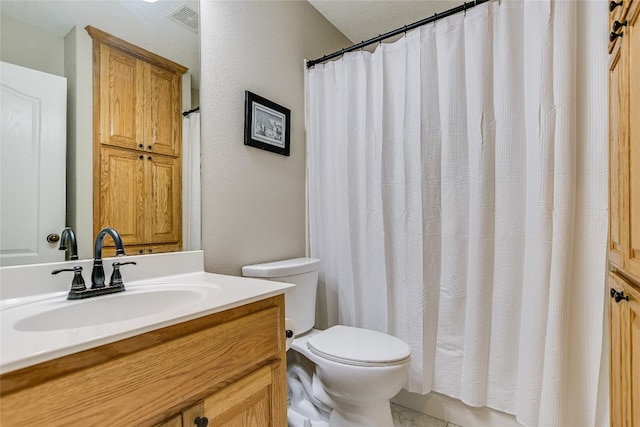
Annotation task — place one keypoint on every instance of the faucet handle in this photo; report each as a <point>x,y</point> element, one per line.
<point>116,277</point>
<point>77,284</point>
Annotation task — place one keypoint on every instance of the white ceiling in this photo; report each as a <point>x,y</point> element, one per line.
<point>143,24</point>
<point>147,25</point>
<point>364,19</point>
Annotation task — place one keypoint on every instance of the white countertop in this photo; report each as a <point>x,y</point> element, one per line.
<point>19,289</point>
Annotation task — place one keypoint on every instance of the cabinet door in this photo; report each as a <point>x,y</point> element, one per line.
<point>617,379</point>
<point>162,111</point>
<point>625,353</point>
<point>163,214</point>
<point>120,96</point>
<point>244,403</point>
<point>120,202</point>
<point>631,43</point>
<point>617,148</point>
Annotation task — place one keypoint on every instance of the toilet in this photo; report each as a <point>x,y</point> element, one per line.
<point>357,370</point>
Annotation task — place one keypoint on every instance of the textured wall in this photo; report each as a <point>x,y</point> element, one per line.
<point>253,201</point>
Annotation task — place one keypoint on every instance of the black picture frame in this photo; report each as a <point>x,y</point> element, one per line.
<point>267,125</point>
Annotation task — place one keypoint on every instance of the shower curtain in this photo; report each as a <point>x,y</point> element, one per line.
<point>458,200</point>
<point>191,217</point>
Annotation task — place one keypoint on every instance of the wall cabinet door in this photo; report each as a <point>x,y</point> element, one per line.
<point>163,210</point>
<point>624,147</point>
<point>631,43</point>
<point>617,148</point>
<point>624,312</point>
<point>121,99</point>
<point>120,201</point>
<point>162,95</point>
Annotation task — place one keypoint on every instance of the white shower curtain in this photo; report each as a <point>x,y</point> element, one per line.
<point>458,200</point>
<point>191,216</point>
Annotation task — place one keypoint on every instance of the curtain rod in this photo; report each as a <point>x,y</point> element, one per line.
<point>463,7</point>
<point>186,113</point>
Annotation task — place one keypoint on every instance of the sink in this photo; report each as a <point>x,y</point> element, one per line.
<point>134,303</point>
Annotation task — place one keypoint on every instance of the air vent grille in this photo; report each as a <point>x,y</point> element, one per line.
<point>186,17</point>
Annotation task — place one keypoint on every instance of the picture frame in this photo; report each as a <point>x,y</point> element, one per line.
<point>266,125</point>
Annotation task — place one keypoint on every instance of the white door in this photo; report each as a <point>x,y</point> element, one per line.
<point>32,164</point>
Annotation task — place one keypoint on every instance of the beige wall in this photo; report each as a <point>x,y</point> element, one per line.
<point>29,47</point>
<point>253,201</point>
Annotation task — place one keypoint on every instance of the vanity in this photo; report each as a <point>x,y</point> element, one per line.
<point>180,347</point>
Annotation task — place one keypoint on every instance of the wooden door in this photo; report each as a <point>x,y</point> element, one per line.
<point>33,164</point>
<point>245,403</point>
<point>624,312</point>
<point>121,99</point>
<point>631,42</point>
<point>617,149</point>
<point>162,111</point>
<point>121,198</point>
<point>163,213</point>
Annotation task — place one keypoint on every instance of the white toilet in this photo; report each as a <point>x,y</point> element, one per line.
<point>357,370</point>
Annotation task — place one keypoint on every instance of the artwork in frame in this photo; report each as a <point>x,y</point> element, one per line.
<point>266,124</point>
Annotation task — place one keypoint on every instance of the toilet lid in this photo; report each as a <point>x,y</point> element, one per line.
<point>356,346</point>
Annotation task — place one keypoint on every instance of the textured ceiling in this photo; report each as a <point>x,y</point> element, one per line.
<point>364,19</point>
<point>143,24</point>
<point>147,25</point>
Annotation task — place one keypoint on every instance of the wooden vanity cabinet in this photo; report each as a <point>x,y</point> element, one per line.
<point>137,145</point>
<point>229,367</point>
<point>624,214</point>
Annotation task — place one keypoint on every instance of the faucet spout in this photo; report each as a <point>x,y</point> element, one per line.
<point>68,242</point>
<point>97,274</point>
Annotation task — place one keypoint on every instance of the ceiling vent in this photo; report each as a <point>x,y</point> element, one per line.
<point>186,17</point>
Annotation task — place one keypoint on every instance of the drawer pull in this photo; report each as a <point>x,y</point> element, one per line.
<point>201,422</point>
<point>618,296</point>
<point>613,5</point>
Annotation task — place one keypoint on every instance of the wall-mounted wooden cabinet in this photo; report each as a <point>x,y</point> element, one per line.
<point>624,212</point>
<point>137,145</point>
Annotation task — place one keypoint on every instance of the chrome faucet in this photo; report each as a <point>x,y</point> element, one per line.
<point>68,242</point>
<point>97,274</point>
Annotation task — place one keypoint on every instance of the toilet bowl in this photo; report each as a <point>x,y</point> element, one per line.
<point>357,370</point>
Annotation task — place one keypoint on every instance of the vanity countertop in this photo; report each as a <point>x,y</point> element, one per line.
<point>24,289</point>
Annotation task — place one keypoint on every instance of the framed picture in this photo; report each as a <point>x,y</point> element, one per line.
<point>266,124</point>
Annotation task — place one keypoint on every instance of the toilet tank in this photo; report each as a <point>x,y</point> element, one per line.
<point>300,302</point>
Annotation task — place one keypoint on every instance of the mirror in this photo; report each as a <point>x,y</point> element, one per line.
<point>50,35</point>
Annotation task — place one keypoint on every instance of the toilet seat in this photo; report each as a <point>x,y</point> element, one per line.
<point>359,347</point>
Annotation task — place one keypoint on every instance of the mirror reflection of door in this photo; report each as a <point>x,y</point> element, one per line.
<point>32,193</point>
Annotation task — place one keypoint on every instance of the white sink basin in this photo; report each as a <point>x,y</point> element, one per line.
<point>134,303</point>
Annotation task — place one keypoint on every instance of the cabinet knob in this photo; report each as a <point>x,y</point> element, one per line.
<point>613,5</point>
<point>614,36</point>
<point>53,238</point>
<point>149,147</point>
<point>140,145</point>
<point>618,296</point>
<point>148,157</point>
<point>141,157</point>
<point>617,25</point>
<point>201,422</point>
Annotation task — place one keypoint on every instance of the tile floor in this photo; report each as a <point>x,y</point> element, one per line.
<point>405,417</point>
